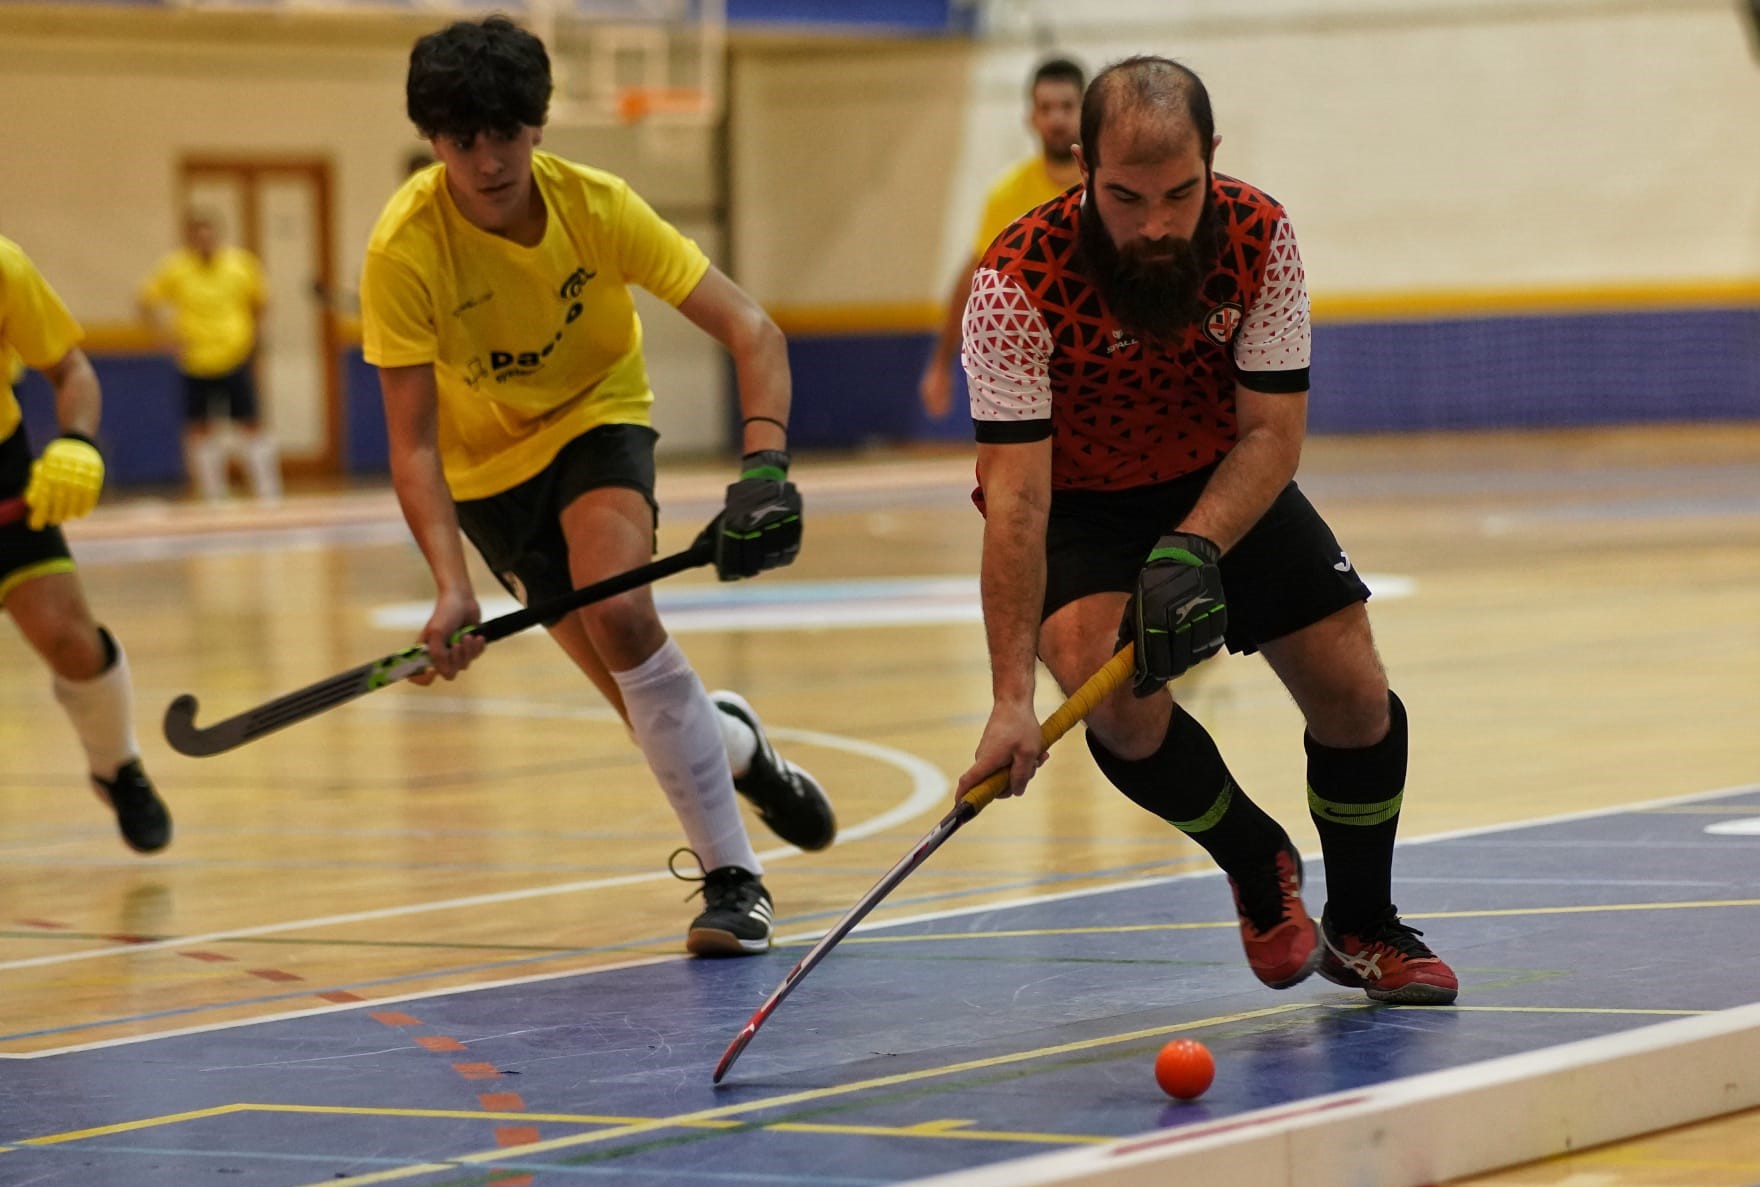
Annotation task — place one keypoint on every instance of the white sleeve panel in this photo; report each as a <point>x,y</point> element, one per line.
<point>1275,333</point>
<point>1006,352</point>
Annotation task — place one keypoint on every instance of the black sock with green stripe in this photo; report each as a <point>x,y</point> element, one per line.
<point>1354,797</point>
<point>1186,783</point>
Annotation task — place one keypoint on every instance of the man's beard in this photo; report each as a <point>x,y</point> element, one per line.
<point>1057,150</point>
<point>1156,297</point>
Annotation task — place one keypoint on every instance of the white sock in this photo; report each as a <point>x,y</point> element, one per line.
<point>675,725</point>
<point>102,712</point>
<point>740,741</point>
<point>206,458</point>
<point>263,463</point>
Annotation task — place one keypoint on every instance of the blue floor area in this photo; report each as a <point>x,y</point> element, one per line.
<point>913,1049</point>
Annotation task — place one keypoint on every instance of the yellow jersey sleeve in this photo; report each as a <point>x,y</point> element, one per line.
<point>397,314</point>
<point>35,326</point>
<point>33,320</point>
<point>654,254</point>
<point>1023,187</point>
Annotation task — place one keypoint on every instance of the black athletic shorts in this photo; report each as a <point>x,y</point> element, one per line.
<point>25,554</point>
<point>237,389</point>
<point>519,531</point>
<point>1288,572</point>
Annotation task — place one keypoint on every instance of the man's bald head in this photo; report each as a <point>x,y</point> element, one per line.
<point>1148,109</point>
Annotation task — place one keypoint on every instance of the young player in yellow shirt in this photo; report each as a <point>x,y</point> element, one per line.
<point>38,585</point>
<point>496,304</point>
<point>1055,93</point>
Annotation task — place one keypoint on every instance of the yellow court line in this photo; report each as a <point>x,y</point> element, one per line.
<point>128,1126</point>
<point>1700,904</point>
<point>470,1115</point>
<point>1120,929</point>
<point>1459,1009</point>
<point>1028,933</point>
<point>502,1154</point>
<point>942,1129</point>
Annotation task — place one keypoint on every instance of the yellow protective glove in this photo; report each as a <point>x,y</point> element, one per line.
<point>65,481</point>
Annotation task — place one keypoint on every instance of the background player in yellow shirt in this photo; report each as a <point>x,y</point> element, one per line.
<point>215,298</point>
<point>1055,96</point>
<point>38,585</point>
<point>495,302</point>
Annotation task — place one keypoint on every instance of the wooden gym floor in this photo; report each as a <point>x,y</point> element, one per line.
<point>1571,619</point>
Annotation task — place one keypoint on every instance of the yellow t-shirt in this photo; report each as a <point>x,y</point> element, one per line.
<point>531,346</point>
<point>1023,187</point>
<point>35,327</point>
<point>214,307</point>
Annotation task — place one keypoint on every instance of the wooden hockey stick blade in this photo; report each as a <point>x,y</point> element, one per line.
<point>186,737</point>
<point>1097,688</point>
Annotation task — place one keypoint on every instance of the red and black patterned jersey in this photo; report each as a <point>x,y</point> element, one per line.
<point>1044,355</point>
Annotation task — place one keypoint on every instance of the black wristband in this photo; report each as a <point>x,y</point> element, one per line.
<point>79,436</point>
<point>764,459</point>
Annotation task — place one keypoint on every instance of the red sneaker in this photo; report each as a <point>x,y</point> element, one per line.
<point>1282,943</point>
<point>1389,962</point>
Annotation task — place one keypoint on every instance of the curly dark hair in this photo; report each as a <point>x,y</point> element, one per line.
<point>478,76</point>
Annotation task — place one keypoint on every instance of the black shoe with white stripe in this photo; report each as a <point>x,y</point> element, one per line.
<point>737,915</point>
<point>788,800</point>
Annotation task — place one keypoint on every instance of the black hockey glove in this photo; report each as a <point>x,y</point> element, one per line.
<point>760,527</point>
<point>1177,617</point>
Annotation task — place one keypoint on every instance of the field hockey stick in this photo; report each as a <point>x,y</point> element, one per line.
<point>1098,687</point>
<point>13,509</point>
<point>188,738</point>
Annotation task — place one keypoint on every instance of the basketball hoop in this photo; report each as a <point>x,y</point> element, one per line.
<point>638,104</point>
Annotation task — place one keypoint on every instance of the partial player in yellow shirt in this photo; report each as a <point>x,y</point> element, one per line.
<point>205,302</point>
<point>1055,97</point>
<point>495,302</point>
<point>38,585</point>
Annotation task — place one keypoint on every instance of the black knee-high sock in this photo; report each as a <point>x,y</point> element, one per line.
<point>1186,783</point>
<point>1354,797</point>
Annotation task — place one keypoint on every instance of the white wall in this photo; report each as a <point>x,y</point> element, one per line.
<point>1418,145</point>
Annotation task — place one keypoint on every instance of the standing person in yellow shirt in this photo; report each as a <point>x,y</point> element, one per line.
<point>38,585</point>
<point>1055,94</point>
<point>216,300</point>
<point>495,302</point>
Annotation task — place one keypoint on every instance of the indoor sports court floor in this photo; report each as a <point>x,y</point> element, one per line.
<point>430,938</point>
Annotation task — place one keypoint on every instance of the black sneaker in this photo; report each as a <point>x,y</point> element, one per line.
<point>737,915</point>
<point>788,800</point>
<point>140,813</point>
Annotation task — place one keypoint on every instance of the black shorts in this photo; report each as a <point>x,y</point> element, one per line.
<point>237,389</point>
<point>519,531</point>
<point>1287,573</point>
<point>25,554</point>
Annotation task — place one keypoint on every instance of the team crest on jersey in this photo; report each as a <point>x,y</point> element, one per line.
<point>1221,323</point>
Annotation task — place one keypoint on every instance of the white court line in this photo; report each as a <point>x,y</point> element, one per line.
<point>929,787</point>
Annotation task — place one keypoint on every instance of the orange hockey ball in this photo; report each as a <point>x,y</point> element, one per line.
<point>1184,1069</point>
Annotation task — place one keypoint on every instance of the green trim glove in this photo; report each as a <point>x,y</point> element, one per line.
<point>1178,616</point>
<point>760,526</point>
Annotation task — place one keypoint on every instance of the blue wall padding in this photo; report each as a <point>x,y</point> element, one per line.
<point>853,390</point>
<point>142,430</point>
